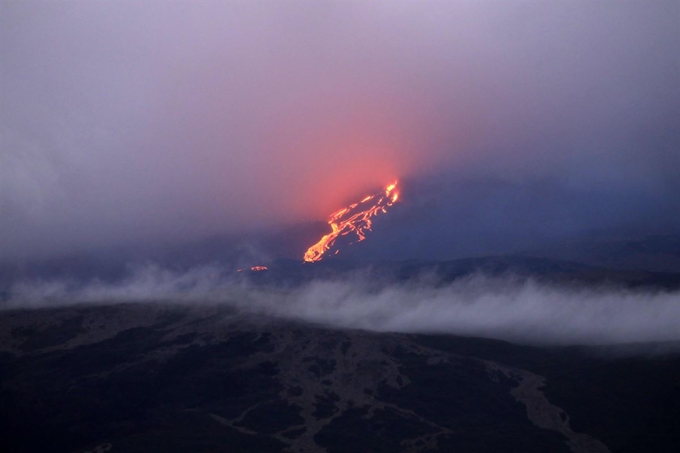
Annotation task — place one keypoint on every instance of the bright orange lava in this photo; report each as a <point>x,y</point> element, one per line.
<point>256,268</point>
<point>356,218</point>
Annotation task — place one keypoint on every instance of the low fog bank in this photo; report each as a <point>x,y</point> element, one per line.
<point>508,308</point>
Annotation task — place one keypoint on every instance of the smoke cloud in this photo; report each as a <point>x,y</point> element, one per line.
<point>508,308</point>
<point>136,122</point>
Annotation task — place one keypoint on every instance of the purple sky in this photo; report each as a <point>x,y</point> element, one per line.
<point>146,121</point>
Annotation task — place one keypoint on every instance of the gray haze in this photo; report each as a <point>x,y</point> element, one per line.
<point>125,122</point>
<point>507,308</point>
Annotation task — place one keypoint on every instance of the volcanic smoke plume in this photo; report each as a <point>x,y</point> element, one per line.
<point>356,219</point>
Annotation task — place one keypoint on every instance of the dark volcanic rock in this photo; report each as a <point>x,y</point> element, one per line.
<point>173,378</point>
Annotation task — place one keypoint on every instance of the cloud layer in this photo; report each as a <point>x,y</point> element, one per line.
<point>518,310</point>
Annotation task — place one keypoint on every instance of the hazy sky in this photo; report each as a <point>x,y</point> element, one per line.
<point>146,121</point>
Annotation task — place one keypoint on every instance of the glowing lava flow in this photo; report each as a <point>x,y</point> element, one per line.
<point>255,269</point>
<point>356,218</point>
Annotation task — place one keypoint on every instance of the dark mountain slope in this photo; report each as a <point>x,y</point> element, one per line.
<point>206,378</point>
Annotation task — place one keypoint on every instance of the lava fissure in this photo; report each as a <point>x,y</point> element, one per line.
<point>356,218</point>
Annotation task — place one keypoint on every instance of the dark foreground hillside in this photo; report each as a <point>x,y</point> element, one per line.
<point>156,377</point>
